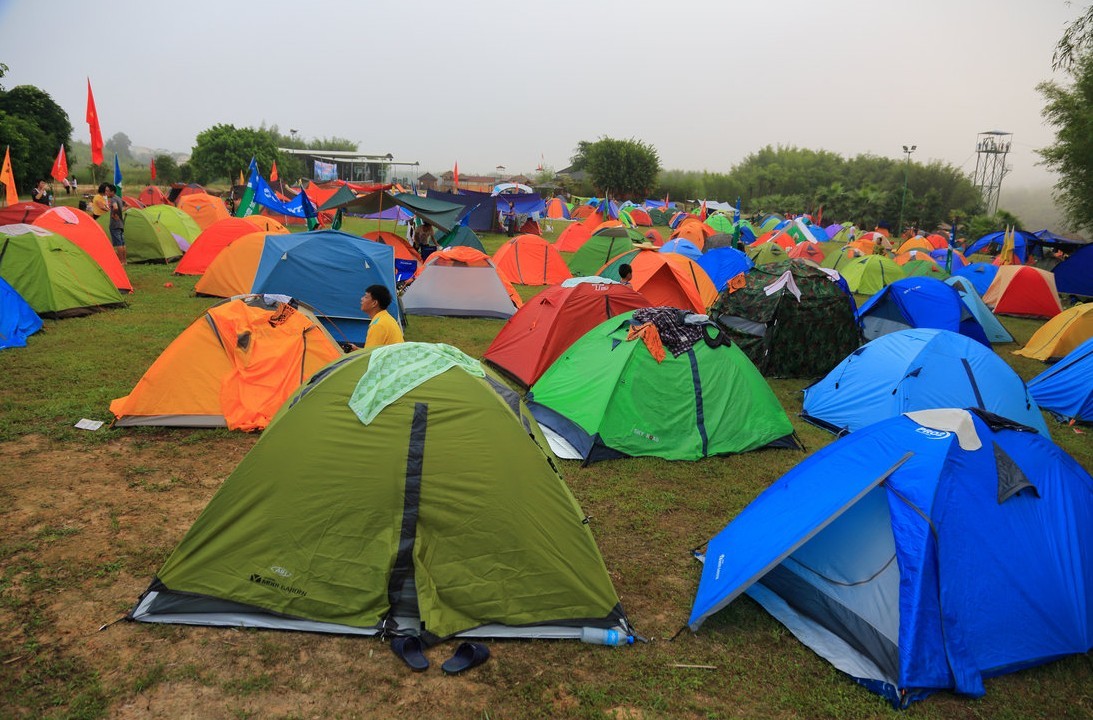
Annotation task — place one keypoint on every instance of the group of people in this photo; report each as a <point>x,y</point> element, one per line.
<point>106,201</point>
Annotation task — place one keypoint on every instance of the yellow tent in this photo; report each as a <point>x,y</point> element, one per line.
<point>1061,334</point>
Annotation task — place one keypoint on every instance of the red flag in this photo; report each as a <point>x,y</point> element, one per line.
<point>455,176</point>
<point>152,167</point>
<point>703,215</point>
<point>820,216</point>
<point>93,125</point>
<point>273,172</point>
<point>7,178</point>
<point>665,202</point>
<point>60,166</point>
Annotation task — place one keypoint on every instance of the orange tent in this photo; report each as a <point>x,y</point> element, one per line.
<point>152,195</point>
<point>691,232</point>
<point>232,272</point>
<point>463,256</point>
<point>403,250</point>
<point>557,209</point>
<point>582,211</point>
<point>807,250</point>
<point>203,208</point>
<point>785,240</point>
<point>937,241</point>
<point>531,260</point>
<point>268,224</point>
<point>764,238</point>
<point>654,236</point>
<point>81,229</point>
<point>914,254</point>
<point>916,243</point>
<point>574,236</point>
<point>233,367</point>
<point>640,217</point>
<point>665,278</point>
<point>212,241</point>
<point>606,224</point>
<point>1023,290</point>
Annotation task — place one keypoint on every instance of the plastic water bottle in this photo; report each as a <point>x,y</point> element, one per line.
<point>599,636</point>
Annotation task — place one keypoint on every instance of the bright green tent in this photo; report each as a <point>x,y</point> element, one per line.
<point>768,252</point>
<point>607,396</point>
<point>924,268</point>
<point>596,252</point>
<point>55,276</point>
<point>868,274</point>
<point>461,236</point>
<point>156,234</point>
<point>838,255</point>
<point>442,515</point>
<point>721,223</point>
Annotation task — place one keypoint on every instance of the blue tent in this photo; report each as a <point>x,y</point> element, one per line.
<point>1066,388</point>
<point>18,321</point>
<point>686,248</point>
<point>981,275</point>
<point>1022,243</point>
<point>1074,276</point>
<point>992,326</point>
<point>724,263</point>
<point>918,302</point>
<point>329,270</point>
<point>923,553</point>
<point>917,370</point>
<point>941,257</point>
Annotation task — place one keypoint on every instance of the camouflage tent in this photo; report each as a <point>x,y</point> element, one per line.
<point>804,327</point>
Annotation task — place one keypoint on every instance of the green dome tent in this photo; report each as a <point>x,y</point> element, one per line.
<point>868,274</point>
<point>461,235</point>
<point>403,490</point>
<point>596,252</point>
<point>156,234</point>
<point>608,396</point>
<point>55,276</point>
<point>768,252</point>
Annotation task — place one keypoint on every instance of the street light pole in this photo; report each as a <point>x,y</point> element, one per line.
<point>907,164</point>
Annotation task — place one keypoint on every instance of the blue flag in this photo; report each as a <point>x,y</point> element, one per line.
<point>117,174</point>
<point>247,204</point>
<point>309,210</point>
<point>736,212</point>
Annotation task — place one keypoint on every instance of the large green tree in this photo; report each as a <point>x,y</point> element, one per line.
<point>166,169</point>
<point>623,168</point>
<point>223,151</point>
<point>34,127</point>
<point>1070,110</point>
<point>1077,40</point>
<point>118,143</point>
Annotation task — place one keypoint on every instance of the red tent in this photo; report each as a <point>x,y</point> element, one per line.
<point>553,320</point>
<point>640,217</point>
<point>24,212</point>
<point>1023,290</point>
<point>152,195</point>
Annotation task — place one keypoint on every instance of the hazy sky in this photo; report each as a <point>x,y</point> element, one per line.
<point>505,83</point>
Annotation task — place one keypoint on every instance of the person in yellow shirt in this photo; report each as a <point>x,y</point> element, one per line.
<point>383,329</point>
<point>99,204</point>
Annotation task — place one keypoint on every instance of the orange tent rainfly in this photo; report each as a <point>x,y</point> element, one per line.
<point>233,367</point>
<point>81,229</point>
<point>212,241</point>
<point>232,271</point>
<point>403,250</point>
<point>531,260</point>
<point>205,209</point>
<point>1023,290</point>
<point>665,278</point>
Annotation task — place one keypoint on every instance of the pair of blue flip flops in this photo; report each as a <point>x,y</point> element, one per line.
<point>467,655</point>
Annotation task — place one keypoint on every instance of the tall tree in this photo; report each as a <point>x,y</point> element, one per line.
<point>223,151</point>
<point>1077,40</point>
<point>35,127</point>
<point>623,168</point>
<point>166,169</point>
<point>1070,111</point>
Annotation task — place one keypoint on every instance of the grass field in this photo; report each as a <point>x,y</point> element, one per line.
<point>88,518</point>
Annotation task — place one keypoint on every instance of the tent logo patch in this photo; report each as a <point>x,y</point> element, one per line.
<point>281,571</point>
<point>933,434</point>
<point>270,582</point>
<point>648,436</point>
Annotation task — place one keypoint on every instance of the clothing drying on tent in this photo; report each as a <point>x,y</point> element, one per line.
<point>723,264</point>
<point>1074,276</point>
<point>214,239</point>
<point>205,209</point>
<point>996,332</point>
<point>918,369</point>
<point>1024,291</point>
<point>531,260</point>
<point>926,552</point>
<point>1066,388</point>
<point>790,318</point>
<point>656,382</point>
<point>552,321</point>
<point>55,276</point>
<point>82,230</point>
<point>413,436</point>
<point>232,271</point>
<point>1061,334</point>
<point>869,273</point>
<point>329,270</point>
<point>665,278</point>
<point>233,367</point>
<point>461,282</point>
<point>18,321</point>
<point>919,303</point>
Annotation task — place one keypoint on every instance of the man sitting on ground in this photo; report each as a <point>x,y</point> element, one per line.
<point>383,328</point>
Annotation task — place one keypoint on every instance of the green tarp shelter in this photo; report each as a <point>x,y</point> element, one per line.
<point>461,236</point>
<point>608,397</point>
<point>438,213</point>
<point>443,515</point>
<point>55,276</point>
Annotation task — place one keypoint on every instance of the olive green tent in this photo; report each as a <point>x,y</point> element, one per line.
<point>608,396</point>
<point>596,252</point>
<point>405,490</point>
<point>54,275</point>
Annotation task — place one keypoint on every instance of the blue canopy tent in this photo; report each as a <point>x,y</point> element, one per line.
<point>980,274</point>
<point>1023,242</point>
<point>918,302</point>
<point>18,321</point>
<point>917,370</point>
<point>926,552</point>
<point>1066,388</point>
<point>329,270</point>
<point>992,326</point>
<point>724,263</point>
<point>1074,276</point>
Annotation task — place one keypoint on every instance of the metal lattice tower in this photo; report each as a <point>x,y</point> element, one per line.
<point>991,148</point>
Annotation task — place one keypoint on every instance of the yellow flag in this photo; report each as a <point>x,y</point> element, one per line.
<point>11,197</point>
<point>1007,246</point>
<point>241,180</point>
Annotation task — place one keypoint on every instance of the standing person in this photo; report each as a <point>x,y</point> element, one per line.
<point>41,194</point>
<point>383,329</point>
<point>99,204</point>
<point>68,186</point>
<point>117,221</point>
<point>75,186</point>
